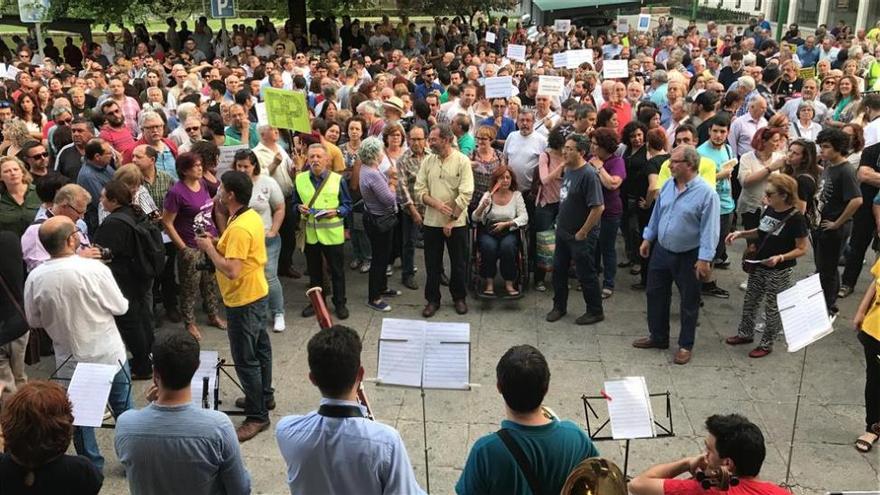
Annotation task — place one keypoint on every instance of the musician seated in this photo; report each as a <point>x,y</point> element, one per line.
<point>173,445</point>
<point>550,448</point>
<point>734,449</point>
<point>336,449</point>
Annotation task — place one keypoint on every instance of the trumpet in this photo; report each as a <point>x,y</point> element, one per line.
<point>325,321</point>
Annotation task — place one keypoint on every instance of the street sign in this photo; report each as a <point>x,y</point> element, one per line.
<point>221,9</point>
<point>33,11</point>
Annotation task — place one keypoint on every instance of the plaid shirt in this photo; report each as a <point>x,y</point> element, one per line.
<point>407,168</point>
<point>159,188</point>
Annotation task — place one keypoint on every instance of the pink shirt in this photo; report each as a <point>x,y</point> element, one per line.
<point>549,192</point>
<point>121,139</point>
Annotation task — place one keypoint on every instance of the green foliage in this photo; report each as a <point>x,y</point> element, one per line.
<point>465,8</point>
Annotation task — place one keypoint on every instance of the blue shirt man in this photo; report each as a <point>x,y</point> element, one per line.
<point>808,56</point>
<point>680,239</point>
<point>427,85</point>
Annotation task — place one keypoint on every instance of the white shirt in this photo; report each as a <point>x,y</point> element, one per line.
<point>75,300</point>
<point>542,129</point>
<point>522,155</point>
<point>872,132</point>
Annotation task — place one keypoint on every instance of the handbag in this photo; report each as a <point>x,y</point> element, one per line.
<point>300,235</point>
<point>752,253</point>
<point>384,223</point>
<point>545,246</point>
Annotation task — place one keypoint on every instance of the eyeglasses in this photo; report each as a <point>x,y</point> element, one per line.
<point>24,55</point>
<point>80,213</point>
<point>192,129</point>
<point>153,127</point>
<point>39,155</point>
<point>483,138</point>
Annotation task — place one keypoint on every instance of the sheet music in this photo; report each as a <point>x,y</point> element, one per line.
<point>630,408</point>
<point>804,313</point>
<point>88,392</point>
<point>447,356</point>
<point>207,368</point>
<point>415,353</point>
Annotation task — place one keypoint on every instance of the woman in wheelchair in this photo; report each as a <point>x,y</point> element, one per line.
<point>500,213</point>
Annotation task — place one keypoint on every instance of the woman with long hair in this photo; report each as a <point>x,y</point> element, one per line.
<point>18,196</point>
<point>856,142</point>
<point>501,211</point>
<point>551,165</point>
<point>801,163</point>
<point>635,157</point>
<point>612,171</point>
<point>37,424</point>
<point>27,110</point>
<point>755,166</point>
<point>846,102</point>
<point>647,190</point>
<point>779,239</point>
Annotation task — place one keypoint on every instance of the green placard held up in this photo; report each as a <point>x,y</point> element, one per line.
<point>287,109</point>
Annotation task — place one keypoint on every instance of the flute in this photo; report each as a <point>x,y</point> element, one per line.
<point>325,321</point>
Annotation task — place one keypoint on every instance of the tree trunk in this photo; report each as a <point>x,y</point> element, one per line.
<point>296,9</point>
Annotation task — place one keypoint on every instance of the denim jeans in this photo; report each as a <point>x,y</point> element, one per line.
<point>495,248</point>
<point>584,255</point>
<point>409,234</point>
<point>664,269</point>
<point>252,354</point>
<point>360,243</point>
<point>276,295</point>
<point>608,250</point>
<point>84,440</point>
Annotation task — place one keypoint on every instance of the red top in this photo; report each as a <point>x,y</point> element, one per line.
<point>746,486</point>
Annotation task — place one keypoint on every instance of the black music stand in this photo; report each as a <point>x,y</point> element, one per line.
<point>665,431</point>
<point>221,367</point>
<point>54,376</point>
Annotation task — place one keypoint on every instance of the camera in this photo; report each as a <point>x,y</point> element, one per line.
<point>106,253</point>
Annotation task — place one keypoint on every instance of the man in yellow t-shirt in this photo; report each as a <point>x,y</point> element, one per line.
<point>240,258</point>
<point>686,135</point>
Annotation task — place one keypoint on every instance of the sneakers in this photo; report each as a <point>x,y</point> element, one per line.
<point>365,267</point>
<point>606,293</point>
<point>712,289</point>
<point>389,271</point>
<point>540,286</point>
<point>355,264</point>
<point>722,264</point>
<point>844,291</point>
<point>379,305</point>
<point>589,318</point>
<point>744,285</point>
<point>279,326</point>
<point>391,293</point>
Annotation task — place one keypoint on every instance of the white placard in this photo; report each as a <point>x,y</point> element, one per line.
<point>622,26</point>
<point>577,57</point>
<point>490,37</point>
<point>629,408</point>
<point>550,85</point>
<point>88,391</point>
<point>227,156</point>
<point>562,25</point>
<point>615,69</point>
<point>560,60</point>
<point>644,22</point>
<point>11,72</point>
<point>207,369</point>
<point>262,116</point>
<point>499,87</point>
<point>419,354</point>
<point>516,52</point>
<point>804,313</point>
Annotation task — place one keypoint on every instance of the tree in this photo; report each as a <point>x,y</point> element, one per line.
<point>467,9</point>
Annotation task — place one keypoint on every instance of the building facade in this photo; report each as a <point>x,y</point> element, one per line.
<point>810,13</point>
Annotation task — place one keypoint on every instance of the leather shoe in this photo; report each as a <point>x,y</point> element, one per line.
<point>647,343</point>
<point>290,273</point>
<point>342,312</point>
<point>410,283</point>
<point>554,315</point>
<point>737,340</point>
<point>683,356</point>
<point>250,428</point>
<point>308,311</point>
<point>461,307</point>
<point>589,318</point>
<point>240,402</point>
<point>430,310</point>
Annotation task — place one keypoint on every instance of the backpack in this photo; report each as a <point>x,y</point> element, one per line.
<point>149,250</point>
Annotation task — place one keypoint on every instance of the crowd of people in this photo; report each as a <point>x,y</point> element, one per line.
<point>122,211</point>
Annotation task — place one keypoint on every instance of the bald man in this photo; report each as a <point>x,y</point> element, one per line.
<point>75,299</point>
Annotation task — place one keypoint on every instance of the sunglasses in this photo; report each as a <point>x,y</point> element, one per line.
<point>64,122</point>
<point>39,155</point>
<point>191,129</point>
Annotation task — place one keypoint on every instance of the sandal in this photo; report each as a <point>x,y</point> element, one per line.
<point>489,292</point>
<point>511,292</point>
<point>863,445</point>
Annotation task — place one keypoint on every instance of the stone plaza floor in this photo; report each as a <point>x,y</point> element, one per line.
<point>719,379</point>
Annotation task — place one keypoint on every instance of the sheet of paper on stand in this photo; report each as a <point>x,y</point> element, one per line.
<point>88,392</point>
<point>226,158</point>
<point>550,85</point>
<point>490,37</point>
<point>415,353</point>
<point>207,368</point>
<point>615,69</point>
<point>516,52</point>
<point>577,57</point>
<point>629,407</point>
<point>804,314</point>
<point>499,87</point>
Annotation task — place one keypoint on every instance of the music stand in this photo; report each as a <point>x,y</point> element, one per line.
<point>54,376</point>
<point>665,431</point>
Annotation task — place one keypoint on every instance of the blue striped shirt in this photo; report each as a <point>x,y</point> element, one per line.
<point>687,219</point>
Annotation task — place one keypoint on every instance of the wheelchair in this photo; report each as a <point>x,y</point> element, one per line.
<point>475,280</point>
